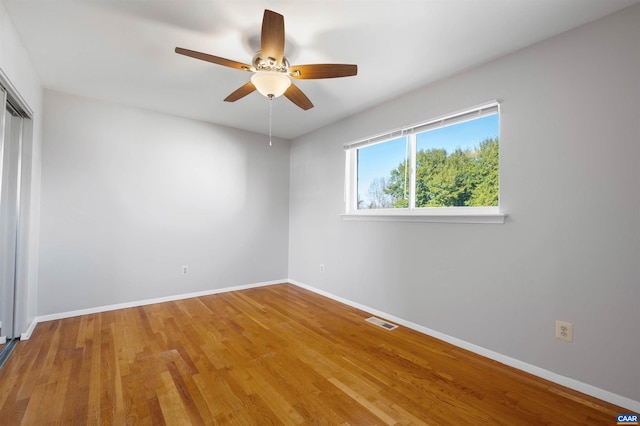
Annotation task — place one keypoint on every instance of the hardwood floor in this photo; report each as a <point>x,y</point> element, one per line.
<point>269,355</point>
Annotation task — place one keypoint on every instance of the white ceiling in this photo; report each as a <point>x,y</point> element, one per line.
<point>123,51</point>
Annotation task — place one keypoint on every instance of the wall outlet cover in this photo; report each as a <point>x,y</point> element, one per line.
<point>564,331</point>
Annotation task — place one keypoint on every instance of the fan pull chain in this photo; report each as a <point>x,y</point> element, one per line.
<point>270,114</point>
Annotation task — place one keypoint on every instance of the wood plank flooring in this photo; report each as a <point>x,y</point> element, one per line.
<point>269,355</point>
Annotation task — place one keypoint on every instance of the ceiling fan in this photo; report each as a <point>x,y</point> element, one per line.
<point>271,70</point>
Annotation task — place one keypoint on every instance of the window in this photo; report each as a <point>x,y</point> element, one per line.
<point>447,167</point>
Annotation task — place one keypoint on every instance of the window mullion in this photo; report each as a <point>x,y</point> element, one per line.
<point>412,175</point>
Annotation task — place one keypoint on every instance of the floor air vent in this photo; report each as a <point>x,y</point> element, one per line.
<point>381,323</point>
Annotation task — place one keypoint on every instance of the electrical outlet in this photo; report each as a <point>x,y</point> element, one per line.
<point>321,267</point>
<point>184,270</point>
<point>564,331</point>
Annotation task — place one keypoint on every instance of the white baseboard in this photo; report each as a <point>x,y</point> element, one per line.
<point>512,362</point>
<point>134,304</point>
<point>27,334</point>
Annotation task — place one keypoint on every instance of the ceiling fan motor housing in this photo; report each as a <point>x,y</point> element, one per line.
<point>270,64</point>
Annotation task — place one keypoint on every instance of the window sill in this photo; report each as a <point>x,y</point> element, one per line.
<point>437,216</point>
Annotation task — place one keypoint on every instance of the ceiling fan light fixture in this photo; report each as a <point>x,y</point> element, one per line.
<point>271,83</point>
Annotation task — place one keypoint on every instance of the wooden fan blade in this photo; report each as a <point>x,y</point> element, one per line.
<point>316,71</point>
<point>241,92</point>
<point>272,37</point>
<point>295,95</point>
<point>213,59</point>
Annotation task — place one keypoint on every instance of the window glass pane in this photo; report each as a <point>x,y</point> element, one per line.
<point>457,165</point>
<point>383,179</point>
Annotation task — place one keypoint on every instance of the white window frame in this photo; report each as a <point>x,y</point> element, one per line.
<point>460,214</point>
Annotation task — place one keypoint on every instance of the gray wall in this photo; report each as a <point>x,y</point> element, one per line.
<point>16,67</point>
<point>570,247</point>
<point>128,196</point>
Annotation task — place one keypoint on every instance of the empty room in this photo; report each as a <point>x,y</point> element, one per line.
<point>305,212</point>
